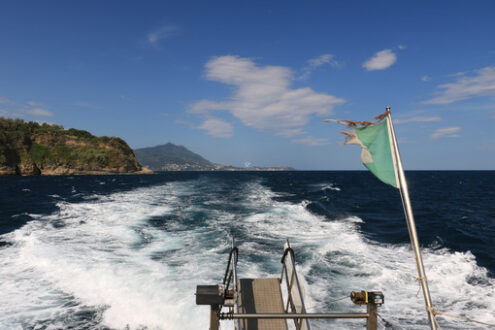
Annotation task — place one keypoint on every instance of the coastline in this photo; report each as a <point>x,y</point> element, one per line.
<point>62,172</point>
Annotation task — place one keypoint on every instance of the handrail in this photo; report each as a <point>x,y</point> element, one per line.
<point>220,296</point>
<point>234,262</point>
<point>293,279</point>
<point>229,316</point>
<point>231,271</point>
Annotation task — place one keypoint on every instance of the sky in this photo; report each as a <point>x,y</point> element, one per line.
<point>250,82</point>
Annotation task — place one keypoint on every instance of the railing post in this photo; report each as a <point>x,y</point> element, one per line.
<point>214,320</point>
<point>372,323</point>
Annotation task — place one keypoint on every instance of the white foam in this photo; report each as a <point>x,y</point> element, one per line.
<point>103,255</point>
<point>339,259</point>
<point>324,186</point>
<point>97,260</point>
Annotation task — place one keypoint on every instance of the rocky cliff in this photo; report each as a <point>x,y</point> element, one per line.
<point>28,148</point>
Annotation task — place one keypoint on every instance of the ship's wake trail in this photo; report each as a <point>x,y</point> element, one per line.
<point>133,259</point>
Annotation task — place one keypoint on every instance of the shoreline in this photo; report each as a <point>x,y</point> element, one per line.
<point>75,172</point>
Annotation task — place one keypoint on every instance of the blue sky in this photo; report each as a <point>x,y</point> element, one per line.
<point>251,82</point>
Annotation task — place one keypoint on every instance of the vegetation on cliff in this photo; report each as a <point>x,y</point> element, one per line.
<point>31,148</point>
<point>172,157</point>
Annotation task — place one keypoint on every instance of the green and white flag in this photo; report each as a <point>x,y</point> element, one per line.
<point>378,147</point>
<point>381,156</point>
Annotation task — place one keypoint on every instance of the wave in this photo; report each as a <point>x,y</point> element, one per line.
<point>133,260</point>
<point>323,186</point>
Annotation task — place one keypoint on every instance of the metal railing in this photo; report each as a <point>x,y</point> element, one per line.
<point>231,271</point>
<point>295,295</point>
<point>231,267</point>
<point>220,296</point>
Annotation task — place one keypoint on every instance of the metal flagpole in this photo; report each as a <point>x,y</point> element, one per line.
<point>406,203</point>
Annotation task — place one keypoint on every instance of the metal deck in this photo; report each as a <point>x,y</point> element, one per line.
<point>260,304</point>
<point>261,295</point>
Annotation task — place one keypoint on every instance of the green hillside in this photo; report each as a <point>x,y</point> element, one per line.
<point>172,157</point>
<point>30,148</point>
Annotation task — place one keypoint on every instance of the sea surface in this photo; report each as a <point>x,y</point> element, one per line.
<point>127,251</point>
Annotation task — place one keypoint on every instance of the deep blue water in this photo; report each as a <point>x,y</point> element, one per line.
<point>76,251</point>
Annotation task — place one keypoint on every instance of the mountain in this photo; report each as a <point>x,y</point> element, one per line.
<point>171,157</point>
<point>30,148</point>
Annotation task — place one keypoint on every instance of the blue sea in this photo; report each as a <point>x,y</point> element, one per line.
<point>127,251</point>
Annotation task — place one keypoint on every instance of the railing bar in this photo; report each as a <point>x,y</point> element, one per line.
<point>296,315</point>
<point>228,267</point>
<point>234,284</point>
<point>228,281</point>
<point>299,289</point>
<point>289,294</point>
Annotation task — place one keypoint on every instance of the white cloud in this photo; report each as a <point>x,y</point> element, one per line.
<point>316,62</point>
<point>218,128</point>
<point>482,83</point>
<point>262,97</point>
<point>312,141</point>
<point>401,47</point>
<point>425,78</point>
<point>323,59</point>
<point>40,112</point>
<point>381,60</point>
<point>29,108</point>
<point>205,106</point>
<point>417,120</point>
<point>4,100</point>
<point>163,32</point>
<point>446,132</point>
<point>35,104</point>
<point>458,74</point>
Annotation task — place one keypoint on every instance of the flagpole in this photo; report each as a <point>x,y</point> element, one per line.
<point>406,203</point>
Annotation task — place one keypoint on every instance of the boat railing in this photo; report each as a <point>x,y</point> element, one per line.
<point>227,295</point>
<point>231,277</point>
<point>294,303</point>
<point>231,269</point>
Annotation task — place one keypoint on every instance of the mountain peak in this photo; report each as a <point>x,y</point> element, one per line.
<point>170,156</point>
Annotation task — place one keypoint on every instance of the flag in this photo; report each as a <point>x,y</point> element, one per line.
<point>381,156</point>
<point>378,147</point>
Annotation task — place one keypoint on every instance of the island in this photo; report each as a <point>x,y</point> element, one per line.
<point>171,157</point>
<point>31,148</point>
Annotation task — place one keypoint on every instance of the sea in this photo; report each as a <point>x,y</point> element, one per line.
<point>127,251</point>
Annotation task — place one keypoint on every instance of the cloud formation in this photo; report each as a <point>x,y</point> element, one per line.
<point>162,33</point>
<point>312,141</point>
<point>40,112</point>
<point>12,109</point>
<point>446,132</point>
<point>262,97</point>
<point>35,104</point>
<point>417,120</point>
<point>481,83</point>
<point>217,127</point>
<point>381,60</point>
<point>315,63</point>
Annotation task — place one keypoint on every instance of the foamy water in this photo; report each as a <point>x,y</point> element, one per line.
<point>133,259</point>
